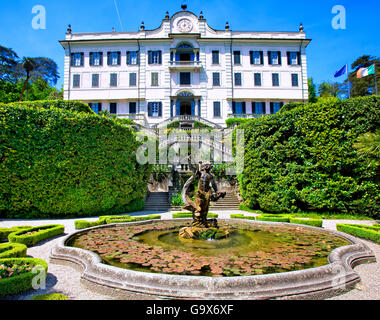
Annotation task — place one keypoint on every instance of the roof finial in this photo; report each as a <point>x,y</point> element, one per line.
<point>184,6</point>
<point>301,27</point>
<point>227,26</point>
<point>142,27</point>
<point>167,15</point>
<point>201,16</point>
<point>69,29</point>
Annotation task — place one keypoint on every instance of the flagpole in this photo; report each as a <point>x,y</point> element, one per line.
<point>348,83</point>
<point>375,80</point>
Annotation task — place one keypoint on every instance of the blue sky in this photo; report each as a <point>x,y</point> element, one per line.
<point>327,53</point>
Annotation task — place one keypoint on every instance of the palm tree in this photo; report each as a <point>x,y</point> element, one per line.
<point>28,65</point>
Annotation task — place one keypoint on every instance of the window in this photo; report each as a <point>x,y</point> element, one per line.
<point>154,57</point>
<point>113,107</point>
<point>259,107</point>
<point>215,57</point>
<point>275,80</point>
<point>114,58</point>
<point>274,57</point>
<point>76,81</point>
<point>257,57</point>
<point>96,59</point>
<point>96,107</point>
<point>238,107</point>
<point>185,78</point>
<point>237,57</point>
<point>257,79</point>
<point>95,80</point>
<point>216,79</point>
<point>132,79</point>
<point>132,107</point>
<point>77,59</point>
<point>113,80</point>
<point>275,107</point>
<point>294,58</point>
<point>132,57</point>
<point>216,109</point>
<point>294,80</point>
<point>154,79</point>
<point>155,109</point>
<point>237,79</point>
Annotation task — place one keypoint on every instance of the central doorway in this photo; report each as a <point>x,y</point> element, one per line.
<point>185,108</point>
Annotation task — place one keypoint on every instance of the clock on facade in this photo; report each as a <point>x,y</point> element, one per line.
<point>185,25</point>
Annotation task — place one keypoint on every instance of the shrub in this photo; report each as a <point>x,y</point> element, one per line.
<point>179,215</point>
<point>291,106</point>
<point>273,218</point>
<point>5,232</point>
<point>304,160</point>
<point>360,231</point>
<point>242,216</point>
<point>177,200</point>
<point>57,163</point>
<point>12,250</point>
<point>309,222</point>
<point>19,283</point>
<point>50,296</point>
<point>76,106</point>
<point>235,121</point>
<point>31,236</point>
<point>83,224</point>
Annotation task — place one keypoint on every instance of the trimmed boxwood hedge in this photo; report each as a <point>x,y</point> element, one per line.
<point>83,224</point>
<point>309,222</point>
<point>12,250</point>
<point>361,231</point>
<point>273,218</point>
<point>5,232</point>
<point>17,284</point>
<point>41,233</point>
<point>76,106</point>
<point>304,159</point>
<point>242,216</point>
<point>59,163</point>
<point>179,215</point>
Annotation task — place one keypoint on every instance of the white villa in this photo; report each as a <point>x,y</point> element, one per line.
<point>186,71</point>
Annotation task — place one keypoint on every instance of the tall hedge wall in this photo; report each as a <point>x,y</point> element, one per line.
<point>304,159</point>
<point>57,163</point>
<point>76,106</point>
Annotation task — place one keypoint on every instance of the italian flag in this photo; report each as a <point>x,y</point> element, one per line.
<point>363,72</point>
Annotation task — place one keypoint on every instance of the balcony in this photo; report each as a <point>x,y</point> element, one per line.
<point>176,66</point>
<point>245,115</point>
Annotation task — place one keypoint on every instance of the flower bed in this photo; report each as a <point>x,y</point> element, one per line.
<point>17,274</point>
<point>31,236</point>
<point>12,250</point>
<point>361,231</point>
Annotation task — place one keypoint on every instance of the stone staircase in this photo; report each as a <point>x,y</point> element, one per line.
<point>157,201</point>
<point>229,202</point>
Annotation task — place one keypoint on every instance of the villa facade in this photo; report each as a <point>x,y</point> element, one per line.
<point>186,70</point>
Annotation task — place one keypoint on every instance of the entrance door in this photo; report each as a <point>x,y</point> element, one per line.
<point>185,108</point>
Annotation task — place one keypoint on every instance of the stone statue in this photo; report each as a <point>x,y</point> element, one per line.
<point>207,191</point>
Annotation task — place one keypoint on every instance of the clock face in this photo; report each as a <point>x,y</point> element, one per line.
<point>185,25</point>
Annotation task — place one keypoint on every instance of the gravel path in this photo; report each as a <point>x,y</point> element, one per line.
<point>66,279</point>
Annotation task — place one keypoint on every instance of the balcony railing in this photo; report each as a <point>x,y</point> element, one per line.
<point>132,116</point>
<point>246,115</point>
<point>185,65</point>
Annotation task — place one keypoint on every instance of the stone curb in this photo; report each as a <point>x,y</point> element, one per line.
<point>333,278</point>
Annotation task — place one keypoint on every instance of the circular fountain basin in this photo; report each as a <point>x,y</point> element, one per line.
<point>259,260</point>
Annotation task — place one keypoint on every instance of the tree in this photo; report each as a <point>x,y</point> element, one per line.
<point>8,62</point>
<point>312,91</point>
<point>364,86</point>
<point>327,89</point>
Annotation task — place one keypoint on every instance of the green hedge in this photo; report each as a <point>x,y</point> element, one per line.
<point>5,232</point>
<point>76,106</point>
<point>57,163</point>
<point>17,284</point>
<point>360,231</point>
<point>50,296</point>
<point>179,215</point>
<point>242,216</point>
<point>273,218</point>
<point>83,224</point>
<point>304,160</point>
<point>235,121</point>
<point>309,222</point>
<point>41,233</point>
<point>12,250</point>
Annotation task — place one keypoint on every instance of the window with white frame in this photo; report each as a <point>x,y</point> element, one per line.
<point>256,57</point>
<point>77,59</point>
<point>96,58</point>
<point>293,58</point>
<point>274,57</point>
<point>132,58</point>
<point>114,58</point>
